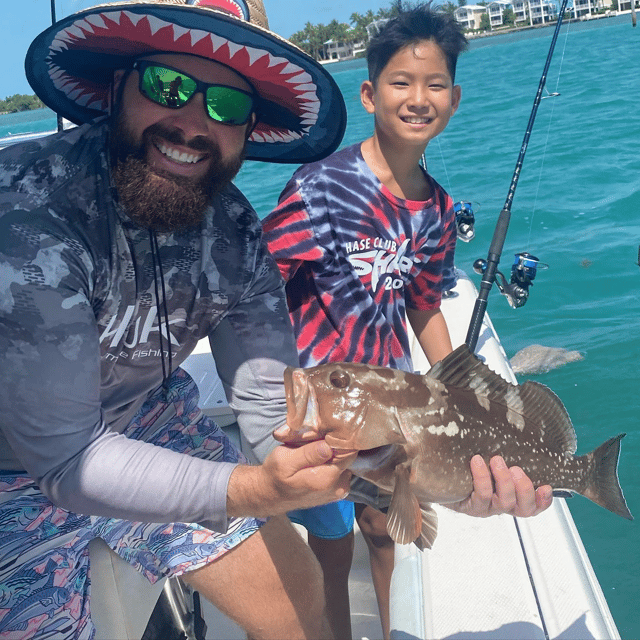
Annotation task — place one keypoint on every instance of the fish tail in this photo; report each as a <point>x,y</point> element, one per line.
<point>603,486</point>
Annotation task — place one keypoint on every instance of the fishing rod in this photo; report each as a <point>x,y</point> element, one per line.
<point>53,21</point>
<point>489,268</point>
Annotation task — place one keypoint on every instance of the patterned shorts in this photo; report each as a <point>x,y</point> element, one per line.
<point>44,559</point>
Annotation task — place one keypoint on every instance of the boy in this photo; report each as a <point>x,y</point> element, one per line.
<point>364,238</point>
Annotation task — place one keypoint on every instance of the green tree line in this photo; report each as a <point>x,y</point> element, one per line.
<point>312,38</point>
<point>19,102</point>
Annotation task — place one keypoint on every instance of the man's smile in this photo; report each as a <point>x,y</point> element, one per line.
<point>177,156</point>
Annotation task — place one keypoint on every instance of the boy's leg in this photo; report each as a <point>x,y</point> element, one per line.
<point>330,535</point>
<point>335,558</point>
<point>373,525</point>
<point>270,585</point>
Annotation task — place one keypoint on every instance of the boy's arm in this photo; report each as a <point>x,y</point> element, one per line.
<point>432,333</point>
<point>289,234</point>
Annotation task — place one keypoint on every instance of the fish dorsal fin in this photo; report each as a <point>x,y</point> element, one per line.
<point>535,402</point>
<point>404,518</point>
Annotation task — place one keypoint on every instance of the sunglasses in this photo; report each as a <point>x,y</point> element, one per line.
<point>173,89</point>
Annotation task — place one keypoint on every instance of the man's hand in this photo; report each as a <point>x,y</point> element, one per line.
<point>514,492</point>
<point>290,478</point>
<point>286,435</point>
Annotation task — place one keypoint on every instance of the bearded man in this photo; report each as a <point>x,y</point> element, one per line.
<point>122,244</point>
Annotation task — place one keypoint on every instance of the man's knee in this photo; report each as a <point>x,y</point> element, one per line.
<point>275,570</point>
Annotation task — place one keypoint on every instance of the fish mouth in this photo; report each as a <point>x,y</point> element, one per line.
<point>372,459</point>
<point>302,402</point>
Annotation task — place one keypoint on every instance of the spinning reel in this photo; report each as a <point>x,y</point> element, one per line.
<point>465,220</point>
<point>523,272</point>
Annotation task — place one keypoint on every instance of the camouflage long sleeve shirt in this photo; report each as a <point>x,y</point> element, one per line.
<point>79,333</point>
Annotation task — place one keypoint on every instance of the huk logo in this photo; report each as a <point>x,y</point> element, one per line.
<point>138,333</point>
<point>381,259</point>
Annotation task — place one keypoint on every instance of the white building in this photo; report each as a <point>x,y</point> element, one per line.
<point>535,11</point>
<point>337,50</point>
<point>625,5</point>
<point>495,10</point>
<point>374,27</point>
<point>586,8</point>
<point>469,15</point>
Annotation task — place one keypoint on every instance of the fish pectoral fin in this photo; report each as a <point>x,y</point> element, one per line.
<point>404,518</point>
<point>429,528</point>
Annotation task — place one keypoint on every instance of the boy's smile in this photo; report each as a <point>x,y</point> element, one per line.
<point>414,96</point>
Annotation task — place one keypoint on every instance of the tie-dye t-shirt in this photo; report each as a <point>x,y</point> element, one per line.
<point>79,332</point>
<point>355,256</point>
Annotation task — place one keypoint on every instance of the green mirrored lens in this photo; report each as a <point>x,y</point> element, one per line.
<point>228,105</point>
<point>172,88</point>
<point>167,87</point>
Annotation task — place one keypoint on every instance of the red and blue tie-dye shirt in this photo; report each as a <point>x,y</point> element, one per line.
<point>354,256</point>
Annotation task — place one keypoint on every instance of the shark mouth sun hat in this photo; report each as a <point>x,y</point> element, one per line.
<point>301,112</point>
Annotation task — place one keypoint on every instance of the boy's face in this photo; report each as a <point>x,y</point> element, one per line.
<point>414,97</point>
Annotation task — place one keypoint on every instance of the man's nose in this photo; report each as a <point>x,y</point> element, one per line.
<point>192,118</point>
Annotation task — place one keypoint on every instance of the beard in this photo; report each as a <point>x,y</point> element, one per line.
<point>158,200</point>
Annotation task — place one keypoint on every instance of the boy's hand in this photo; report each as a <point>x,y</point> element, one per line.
<point>514,492</point>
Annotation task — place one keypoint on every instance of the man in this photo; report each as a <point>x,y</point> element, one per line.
<point>123,243</point>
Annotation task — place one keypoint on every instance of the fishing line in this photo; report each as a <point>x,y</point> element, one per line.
<point>444,164</point>
<point>544,152</point>
<point>500,232</point>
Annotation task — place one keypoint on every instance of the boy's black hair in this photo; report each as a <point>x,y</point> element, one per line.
<point>410,26</point>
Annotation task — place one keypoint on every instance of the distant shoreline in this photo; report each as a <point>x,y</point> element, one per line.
<point>529,27</point>
<point>505,31</point>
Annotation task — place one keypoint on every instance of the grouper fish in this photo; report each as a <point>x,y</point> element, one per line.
<point>416,434</point>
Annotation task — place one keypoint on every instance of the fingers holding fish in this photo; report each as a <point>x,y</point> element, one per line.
<point>480,501</point>
<point>529,500</point>
<point>286,435</point>
<point>544,498</point>
<point>308,475</point>
<point>290,478</point>
<point>498,489</point>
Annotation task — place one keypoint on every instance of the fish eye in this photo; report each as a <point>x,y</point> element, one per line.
<point>339,379</point>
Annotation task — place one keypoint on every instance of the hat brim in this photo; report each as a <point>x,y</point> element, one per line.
<point>302,112</point>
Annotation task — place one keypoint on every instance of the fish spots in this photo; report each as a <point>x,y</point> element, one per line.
<point>516,419</point>
<point>450,429</point>
<point>437,386</point>
<point>515,408</point>
<point>483,401</point>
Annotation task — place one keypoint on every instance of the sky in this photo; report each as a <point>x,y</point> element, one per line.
<point>22,20</point>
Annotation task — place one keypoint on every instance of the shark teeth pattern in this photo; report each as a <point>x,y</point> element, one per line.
<point>274,77</point>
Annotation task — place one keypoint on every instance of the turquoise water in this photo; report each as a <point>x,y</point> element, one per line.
<point>577,207</point>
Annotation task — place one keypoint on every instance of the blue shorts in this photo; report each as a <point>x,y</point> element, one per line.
<point>329,521</point>
<point>44,556</point>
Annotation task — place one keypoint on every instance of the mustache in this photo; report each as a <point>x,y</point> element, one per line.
<point>175,136</point>
<point>125,147</point>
